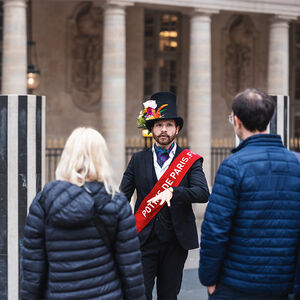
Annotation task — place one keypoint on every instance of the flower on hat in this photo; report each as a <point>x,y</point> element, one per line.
<point>150,104</point>
<point>149,113</point>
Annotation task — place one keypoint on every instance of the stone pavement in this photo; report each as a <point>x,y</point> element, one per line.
<point>191,288</point>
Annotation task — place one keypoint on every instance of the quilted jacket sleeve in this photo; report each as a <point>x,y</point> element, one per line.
<point>128,255</point>
<point>217,222</point>
<point>34,262</point>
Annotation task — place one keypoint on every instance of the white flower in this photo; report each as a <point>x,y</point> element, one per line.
<point>150,103</point>
<point>140,114</point>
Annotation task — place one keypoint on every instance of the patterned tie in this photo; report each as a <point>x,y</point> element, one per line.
<point>162,154</point>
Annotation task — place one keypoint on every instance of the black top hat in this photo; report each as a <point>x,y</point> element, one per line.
<point>170,111</point>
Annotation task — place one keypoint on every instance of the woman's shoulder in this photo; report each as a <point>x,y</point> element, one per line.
<point>117,204</point>
<point>119,199</point>
<point>46,190</point>
<point>56,185</point>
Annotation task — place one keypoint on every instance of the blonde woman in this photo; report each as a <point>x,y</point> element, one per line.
<point>80,239</point>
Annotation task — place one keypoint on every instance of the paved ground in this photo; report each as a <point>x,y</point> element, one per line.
<point>191,288</point>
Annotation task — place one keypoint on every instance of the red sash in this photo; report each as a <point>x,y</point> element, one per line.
<point>172,177</point>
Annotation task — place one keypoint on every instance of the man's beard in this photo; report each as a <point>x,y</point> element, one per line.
<point>166,140</point>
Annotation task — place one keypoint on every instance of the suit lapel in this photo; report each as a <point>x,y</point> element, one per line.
<point>154,177</point>
<point>149,168</point>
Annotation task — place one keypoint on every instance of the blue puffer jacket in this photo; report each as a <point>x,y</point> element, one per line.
<point>251,228</point>
<point>63,255</point>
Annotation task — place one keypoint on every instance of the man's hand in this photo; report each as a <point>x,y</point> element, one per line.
<point>211,289</point>
<point>164,196</point>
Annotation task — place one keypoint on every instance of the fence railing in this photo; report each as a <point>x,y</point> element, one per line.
<point>295,144</point>
<point>218,154</point>
<point>55,147</point>
<point>221,148</point>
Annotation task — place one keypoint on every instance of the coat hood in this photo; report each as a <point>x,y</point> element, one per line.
<point>68,205</point>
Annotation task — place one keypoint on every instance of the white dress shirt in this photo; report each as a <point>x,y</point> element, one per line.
<point>159,171</point>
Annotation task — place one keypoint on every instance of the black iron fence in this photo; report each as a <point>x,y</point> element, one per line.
<point>295,144</point>
<point>52,159</point>
<point>53,156</point>
<point>219,151</point>
<point>218,154</point>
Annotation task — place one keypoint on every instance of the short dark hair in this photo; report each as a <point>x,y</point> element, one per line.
<point>254,108</point>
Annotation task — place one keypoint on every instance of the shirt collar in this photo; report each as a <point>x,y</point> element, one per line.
<point>157,148</point>
<point>171,154</point>
<point>171,150</point>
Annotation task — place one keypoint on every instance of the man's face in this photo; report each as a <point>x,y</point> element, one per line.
<point>164,132</point>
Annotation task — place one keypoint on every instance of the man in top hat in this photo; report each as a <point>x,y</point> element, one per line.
<point>167,180</point>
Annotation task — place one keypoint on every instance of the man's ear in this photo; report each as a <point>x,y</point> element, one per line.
<point>238,123</point>
<point>177,129</point>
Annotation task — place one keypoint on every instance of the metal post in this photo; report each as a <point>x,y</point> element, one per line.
<point>22,173</point>
<point>280,121</point>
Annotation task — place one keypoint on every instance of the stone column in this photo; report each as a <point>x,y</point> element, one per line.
<point>113,111</point>
<point>278,69</point>
<point>199,89</point>
<point>14,64</point>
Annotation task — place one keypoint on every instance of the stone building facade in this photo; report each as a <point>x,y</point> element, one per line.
<point>100,59</point>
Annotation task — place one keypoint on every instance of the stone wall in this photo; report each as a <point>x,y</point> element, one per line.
<point>257,54</point>
<point>50,33</point>
<point>51,30</point>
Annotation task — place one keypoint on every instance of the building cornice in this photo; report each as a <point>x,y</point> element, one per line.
<point>290,9</point>
<point>119,3</point>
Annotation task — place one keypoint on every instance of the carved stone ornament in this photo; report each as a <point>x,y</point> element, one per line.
<point>84,56</point>
<point>238,53</point>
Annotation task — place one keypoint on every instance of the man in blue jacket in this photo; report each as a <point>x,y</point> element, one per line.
<point>250,232</point>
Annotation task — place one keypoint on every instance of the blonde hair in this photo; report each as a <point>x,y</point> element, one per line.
<point>85,158</point>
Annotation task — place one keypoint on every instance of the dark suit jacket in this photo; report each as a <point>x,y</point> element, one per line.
<point>140,175</point>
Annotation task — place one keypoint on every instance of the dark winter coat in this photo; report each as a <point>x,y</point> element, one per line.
<point>64,256</point>
<point>250,233</point>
